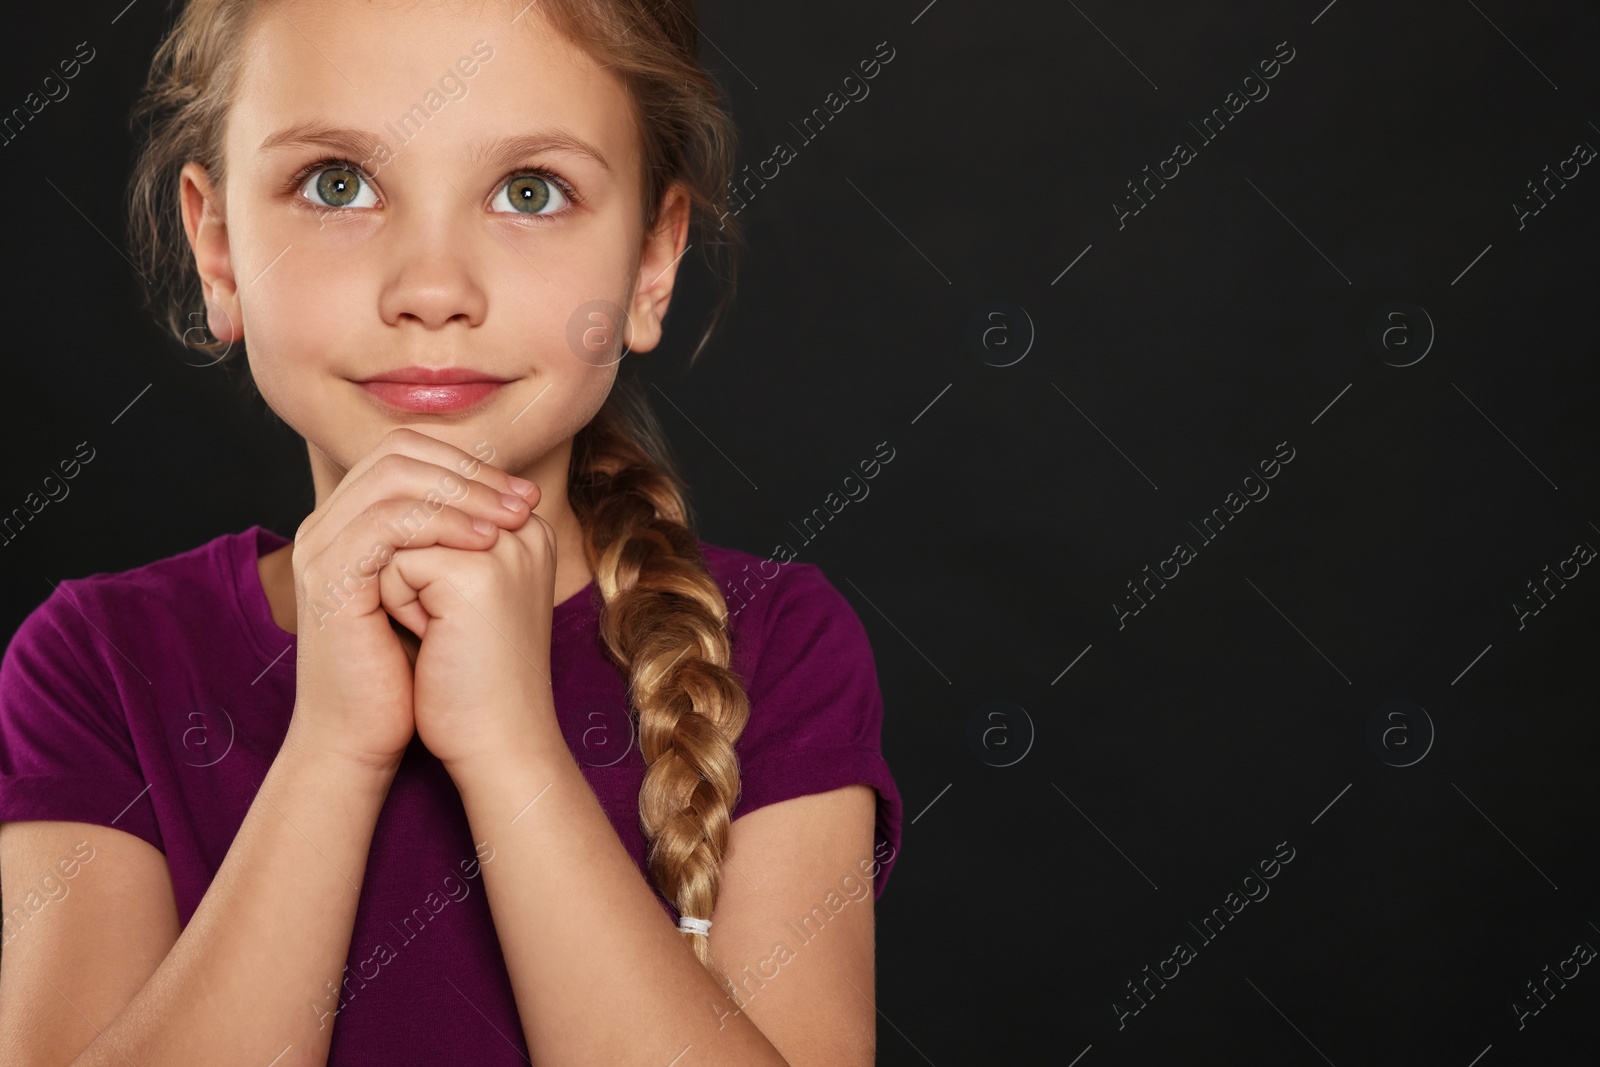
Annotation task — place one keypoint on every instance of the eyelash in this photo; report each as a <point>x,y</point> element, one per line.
<point>298,181</point>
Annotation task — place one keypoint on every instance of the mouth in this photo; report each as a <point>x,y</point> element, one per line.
<point>426,390</point>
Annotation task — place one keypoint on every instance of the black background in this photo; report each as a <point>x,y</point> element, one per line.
<point>1231,314</point>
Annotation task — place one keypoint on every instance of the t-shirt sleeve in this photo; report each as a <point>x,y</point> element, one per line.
<point>816,711</point>
<point>65,748</point>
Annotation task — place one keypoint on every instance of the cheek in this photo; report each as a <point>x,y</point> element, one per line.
<point>567,319</point>
<point>576,391</point>
<point>589,393</point>
<point>304,312</point>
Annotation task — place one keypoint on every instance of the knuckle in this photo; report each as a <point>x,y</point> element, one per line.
<point>400,515</point>
<point>449,483</point>
<point>389,465</point>
<point>401,437</point>
<point>547,535</point>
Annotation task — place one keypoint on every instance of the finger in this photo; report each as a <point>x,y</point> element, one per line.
<point>404,441</point>
<point>430,580</point>
<point>345,577</point>
<point>444,582</point>
<point>400,599</point>
<point>539,537</point>
<point>407,612</point>
<point>458,586</point>
<point>429,488</point>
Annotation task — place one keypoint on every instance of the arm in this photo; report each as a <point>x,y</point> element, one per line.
<point>795,924</point>
<point>249,978</point>
<point>600,972</point>
<point>257,974</point>
<point>89,909</point>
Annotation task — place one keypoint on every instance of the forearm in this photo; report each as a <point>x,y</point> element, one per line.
<point>258,969</point>
<point>599,971</point>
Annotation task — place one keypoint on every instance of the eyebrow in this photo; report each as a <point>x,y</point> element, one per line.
<point>504,151</point>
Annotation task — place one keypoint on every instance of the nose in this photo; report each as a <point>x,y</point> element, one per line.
<point>433,280</point>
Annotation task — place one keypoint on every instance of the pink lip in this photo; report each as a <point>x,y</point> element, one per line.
<point>429,376</point>
<point>415,396</point>
<point>428,390</point>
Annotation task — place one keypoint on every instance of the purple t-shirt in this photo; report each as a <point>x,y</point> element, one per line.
<point>154,700</point>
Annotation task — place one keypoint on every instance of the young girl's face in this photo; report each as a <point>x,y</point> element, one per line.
<point>413,185</point>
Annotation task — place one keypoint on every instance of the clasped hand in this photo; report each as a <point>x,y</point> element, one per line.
<point>443,543</point>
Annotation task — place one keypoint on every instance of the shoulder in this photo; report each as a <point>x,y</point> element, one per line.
<point>816,709</point>
<point>803,656</point>
<point>98,615</point>
<point>788,619</point>
<point>86,682</point>
<point>775,594</point>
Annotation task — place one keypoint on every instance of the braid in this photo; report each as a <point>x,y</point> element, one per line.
<point>665,624</point>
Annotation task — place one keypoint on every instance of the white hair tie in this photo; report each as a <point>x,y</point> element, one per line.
<point>694,926</point>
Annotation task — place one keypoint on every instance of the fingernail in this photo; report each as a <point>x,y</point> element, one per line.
<point>483,526</point>
<point>520,485</point>
<point>512,503</point>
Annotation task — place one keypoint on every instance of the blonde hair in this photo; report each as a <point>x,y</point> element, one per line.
<point>664,621</point>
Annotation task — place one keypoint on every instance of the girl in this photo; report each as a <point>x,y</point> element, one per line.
<point>485,765</point>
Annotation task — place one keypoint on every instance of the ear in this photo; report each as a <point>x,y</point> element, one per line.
<point>205,225</point>
<point>658,269</point>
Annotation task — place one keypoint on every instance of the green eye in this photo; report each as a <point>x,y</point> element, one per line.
<point>531,195</point>
<point>338,186</point>
<point>528,193</point>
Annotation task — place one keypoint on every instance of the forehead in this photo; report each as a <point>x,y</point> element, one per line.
<point>365,63</point>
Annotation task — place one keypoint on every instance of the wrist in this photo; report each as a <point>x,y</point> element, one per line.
<point>304,749</point>
<point>538,750</point>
